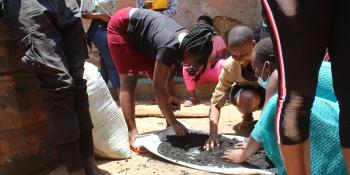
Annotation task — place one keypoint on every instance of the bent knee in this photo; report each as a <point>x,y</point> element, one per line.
<point>248,101</point>
<point>128,82</point>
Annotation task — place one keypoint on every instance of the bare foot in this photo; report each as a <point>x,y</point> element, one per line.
<point>136,148</point>
<point>133,133</point>
<point>233,155</point>
<point>247,125</point>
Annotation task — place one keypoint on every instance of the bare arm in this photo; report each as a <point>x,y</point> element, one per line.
<point>242,153</point>
<point>173,100</point>
<point>102,16</point>
<point>213,140</point>
<point>161,73</point>
<point>218,98</point>
<point>214,116</point>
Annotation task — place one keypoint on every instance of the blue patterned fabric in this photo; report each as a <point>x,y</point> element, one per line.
<point>326,156</point>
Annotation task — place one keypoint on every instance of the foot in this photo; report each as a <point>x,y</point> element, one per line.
<point>247,124</point>
<point>136,148</point>
<point>191,102</point>
<point>91,168</point>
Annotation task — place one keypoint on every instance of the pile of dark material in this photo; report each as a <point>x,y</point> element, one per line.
<point>190,149</point>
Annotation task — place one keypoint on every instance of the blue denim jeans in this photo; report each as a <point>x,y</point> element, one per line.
<point>108,70</point>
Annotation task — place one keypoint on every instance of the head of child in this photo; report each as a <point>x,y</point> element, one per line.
<point>196,48</point>
<point>241,43</point>
<point>205,20</point>
<point>263,61</point>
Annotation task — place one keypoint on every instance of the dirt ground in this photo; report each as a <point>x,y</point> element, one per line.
<point>195,117</point>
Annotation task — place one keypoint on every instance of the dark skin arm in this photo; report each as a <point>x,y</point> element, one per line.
<point>173,101</point>
<point>213,140</point>
<point>243,151</point>
<point>160,82</point>
<point>102,16</point>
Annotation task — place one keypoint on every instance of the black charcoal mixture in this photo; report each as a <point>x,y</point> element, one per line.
<point>190,149</point>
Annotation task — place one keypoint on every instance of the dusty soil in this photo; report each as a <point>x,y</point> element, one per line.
<point>190,149</point>
<point>145,164</point>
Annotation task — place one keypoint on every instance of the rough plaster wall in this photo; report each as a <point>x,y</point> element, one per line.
<point>231,12</point>
<point>247,12</point>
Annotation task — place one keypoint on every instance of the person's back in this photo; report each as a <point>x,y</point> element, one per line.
<point>149,30</point>
<point>325,146</point>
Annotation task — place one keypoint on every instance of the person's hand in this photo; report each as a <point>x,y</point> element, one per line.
<point>174,103</point>
<point>179,128</point>
<point>240,145</point>
<point>212,142</point>
<point>233,155</point>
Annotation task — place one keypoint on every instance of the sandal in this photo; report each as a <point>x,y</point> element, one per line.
<point>191,102</point>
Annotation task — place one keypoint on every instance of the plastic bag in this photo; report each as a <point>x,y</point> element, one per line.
<point>108,6</point>
<point>110,132</point>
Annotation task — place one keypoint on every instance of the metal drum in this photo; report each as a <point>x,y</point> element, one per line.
<point>24,143</point>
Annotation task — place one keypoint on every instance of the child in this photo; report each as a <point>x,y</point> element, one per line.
<point>237,81</point>
<point>325,146</point>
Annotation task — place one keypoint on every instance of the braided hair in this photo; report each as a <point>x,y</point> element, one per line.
<point>198,43</point>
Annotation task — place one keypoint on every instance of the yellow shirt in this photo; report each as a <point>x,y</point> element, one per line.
<point>230,75</point>
<point>159,4</point>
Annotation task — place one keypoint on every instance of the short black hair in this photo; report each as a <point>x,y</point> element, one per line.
<point>264,50</point>
<point>207,19</point>
<point>239,36</point>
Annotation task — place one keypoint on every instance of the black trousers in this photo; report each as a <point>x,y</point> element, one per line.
<point>53,44</point>
<point>302,31</point>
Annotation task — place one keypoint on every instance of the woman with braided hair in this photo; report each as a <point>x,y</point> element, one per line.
<point>215,63</point>
<point>144,40</point>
